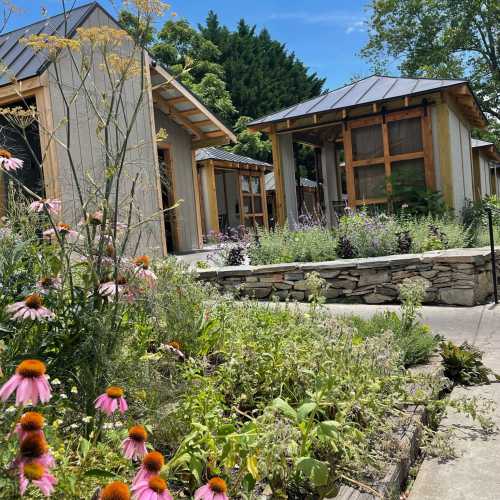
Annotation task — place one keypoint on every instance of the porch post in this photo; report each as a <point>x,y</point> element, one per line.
<point>284,176</point>
<point>330,184</point>
<point>209,195</point>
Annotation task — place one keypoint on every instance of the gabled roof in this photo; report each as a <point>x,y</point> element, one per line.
<point>183,105</point>
<point>488,148</point>
<point>22,61</point>
<point>222,155</point>
<point>369,90</point>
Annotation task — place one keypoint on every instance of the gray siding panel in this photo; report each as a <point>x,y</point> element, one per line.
<point>180,142</point>
<point>88,151</point>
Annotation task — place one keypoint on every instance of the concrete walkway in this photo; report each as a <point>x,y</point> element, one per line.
<point>475,474</point>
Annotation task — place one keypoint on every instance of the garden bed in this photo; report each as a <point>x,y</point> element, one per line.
<point>454,277</point>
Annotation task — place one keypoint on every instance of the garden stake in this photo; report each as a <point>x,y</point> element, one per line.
<point>493,256</point>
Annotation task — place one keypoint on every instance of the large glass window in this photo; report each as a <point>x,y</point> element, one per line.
<point>370,182</point>
<point>388,150</point>
<point>367,142</point>
<point>405,136</point>
<point>252,195</point>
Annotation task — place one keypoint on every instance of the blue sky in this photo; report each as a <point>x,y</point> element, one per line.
<point>326,34</point>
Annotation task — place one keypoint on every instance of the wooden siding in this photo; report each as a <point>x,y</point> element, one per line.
<point>88,152</point>
<point>186,214</point>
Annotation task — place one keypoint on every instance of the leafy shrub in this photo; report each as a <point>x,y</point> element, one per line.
<point>463,364</point>
<point>414,339</point>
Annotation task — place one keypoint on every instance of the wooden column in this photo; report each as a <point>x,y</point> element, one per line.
<point>209,190</point>
<point>278,180</point>
<point>330,187</point>
<point>349,169</point>
<point>197,202</point>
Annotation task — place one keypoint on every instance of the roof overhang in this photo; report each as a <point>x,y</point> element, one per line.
<point>175,100</point>
<point>460,92</point>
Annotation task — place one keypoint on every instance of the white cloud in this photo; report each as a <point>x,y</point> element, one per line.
<point>349,22</point>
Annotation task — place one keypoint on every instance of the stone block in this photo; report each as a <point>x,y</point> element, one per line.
<point>273,278</point>
<point>251,286</point>
<point>329,274</point>
<point>280,294</point>
<point>301,285</point>
<point>283,285</point>
<point>332,293</point>
<point>341,283</point>
<point>296,276</point>
<point>373,278</point>
<point>293,295</point>
<point>389,291</point>
<point>377,298</point>
<point>259,293</point>
<point>251,279</point>
<point>428,274</point>
<point>457,296</point>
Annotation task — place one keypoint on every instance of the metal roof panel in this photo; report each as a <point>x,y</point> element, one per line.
<point>212,153</point>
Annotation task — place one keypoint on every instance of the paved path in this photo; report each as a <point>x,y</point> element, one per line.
<point>475,474</point>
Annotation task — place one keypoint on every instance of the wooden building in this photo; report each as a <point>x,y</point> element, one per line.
<point>415,130</point>
<point>232,190</point>
<point>167,171</point>
<point>486,165</point>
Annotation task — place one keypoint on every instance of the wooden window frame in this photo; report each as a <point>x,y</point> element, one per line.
<point>250,194</point>
<point>387,159</point>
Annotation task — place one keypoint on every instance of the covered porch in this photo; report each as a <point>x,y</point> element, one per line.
<point>373,137</point>
<point>232,191</point>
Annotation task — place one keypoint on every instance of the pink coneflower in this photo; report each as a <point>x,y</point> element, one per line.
<point>38,475</point>
<point>215,489</point>
<point>48,283</point>
<point>9,163</point>
<point>30,308</point>
<point>30,382</point>
<point>34,448</point>
<point>152,464</point>
<point>30,422</point>
<point>115,491</point>
<point>142,269</point>
<point>174,347</point>
<point>134,447</point>
<point>95,218</point>
<point>63,229</point>
<point>111,401</point>
<point>155,488</point>
<point>111,288</point>
<point>52,206</point>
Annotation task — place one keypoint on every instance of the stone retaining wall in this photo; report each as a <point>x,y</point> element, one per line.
<point>455,277</point>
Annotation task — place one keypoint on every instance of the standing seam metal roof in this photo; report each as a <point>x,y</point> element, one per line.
<point>371,89</point>
<point>22,61</point>
<point>212,153</point>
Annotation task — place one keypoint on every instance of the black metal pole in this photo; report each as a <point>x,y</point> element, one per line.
<point>493,256</point>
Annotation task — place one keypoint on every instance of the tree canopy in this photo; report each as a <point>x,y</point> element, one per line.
<point>441,39</point>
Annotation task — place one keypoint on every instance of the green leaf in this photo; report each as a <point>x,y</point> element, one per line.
<point>285,408</point>
<point>252,466</point>
<point>101,473</point>
<point>84,447</point>
<point>305,409</point>
<point>315,470</point>
<point>329,428</point>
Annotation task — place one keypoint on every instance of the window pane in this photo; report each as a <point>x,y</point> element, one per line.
<point>408,173</point>
<point>255,185</point>
<point>405,136</point>
<point>245,183</point>
<point>370,182</point>
<point>259,221</point>
<point>247,204</point>
<point>249,222</point>
<point>257,205</point>
<point>367,142</point>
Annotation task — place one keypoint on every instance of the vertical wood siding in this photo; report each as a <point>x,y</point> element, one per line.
<point>88,151</point>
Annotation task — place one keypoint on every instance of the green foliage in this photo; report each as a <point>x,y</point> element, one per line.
<point>414,339</point>
<point>463,364</point>
<point>283,245</point>
<point>441,39</point>
<point>251,144</point>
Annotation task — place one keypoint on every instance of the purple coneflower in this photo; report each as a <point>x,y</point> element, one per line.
<point>62,229</point>
<point>52,206</point>
<point>30,308</point>
<point>111,288</point>
<point>111,401</point>
<point>142,269</point>
<point>38,475</point>
<point>30,382</point>
<point>155,488</point>
<point>173,347</point>
<point>215,489</point>
<point>48,283</point>
<point>9,163</point>
<point>115,491</point>
<point>30,422</point>
<point>34,448</point>
<point>134,447</point>
<point>152,464</point>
